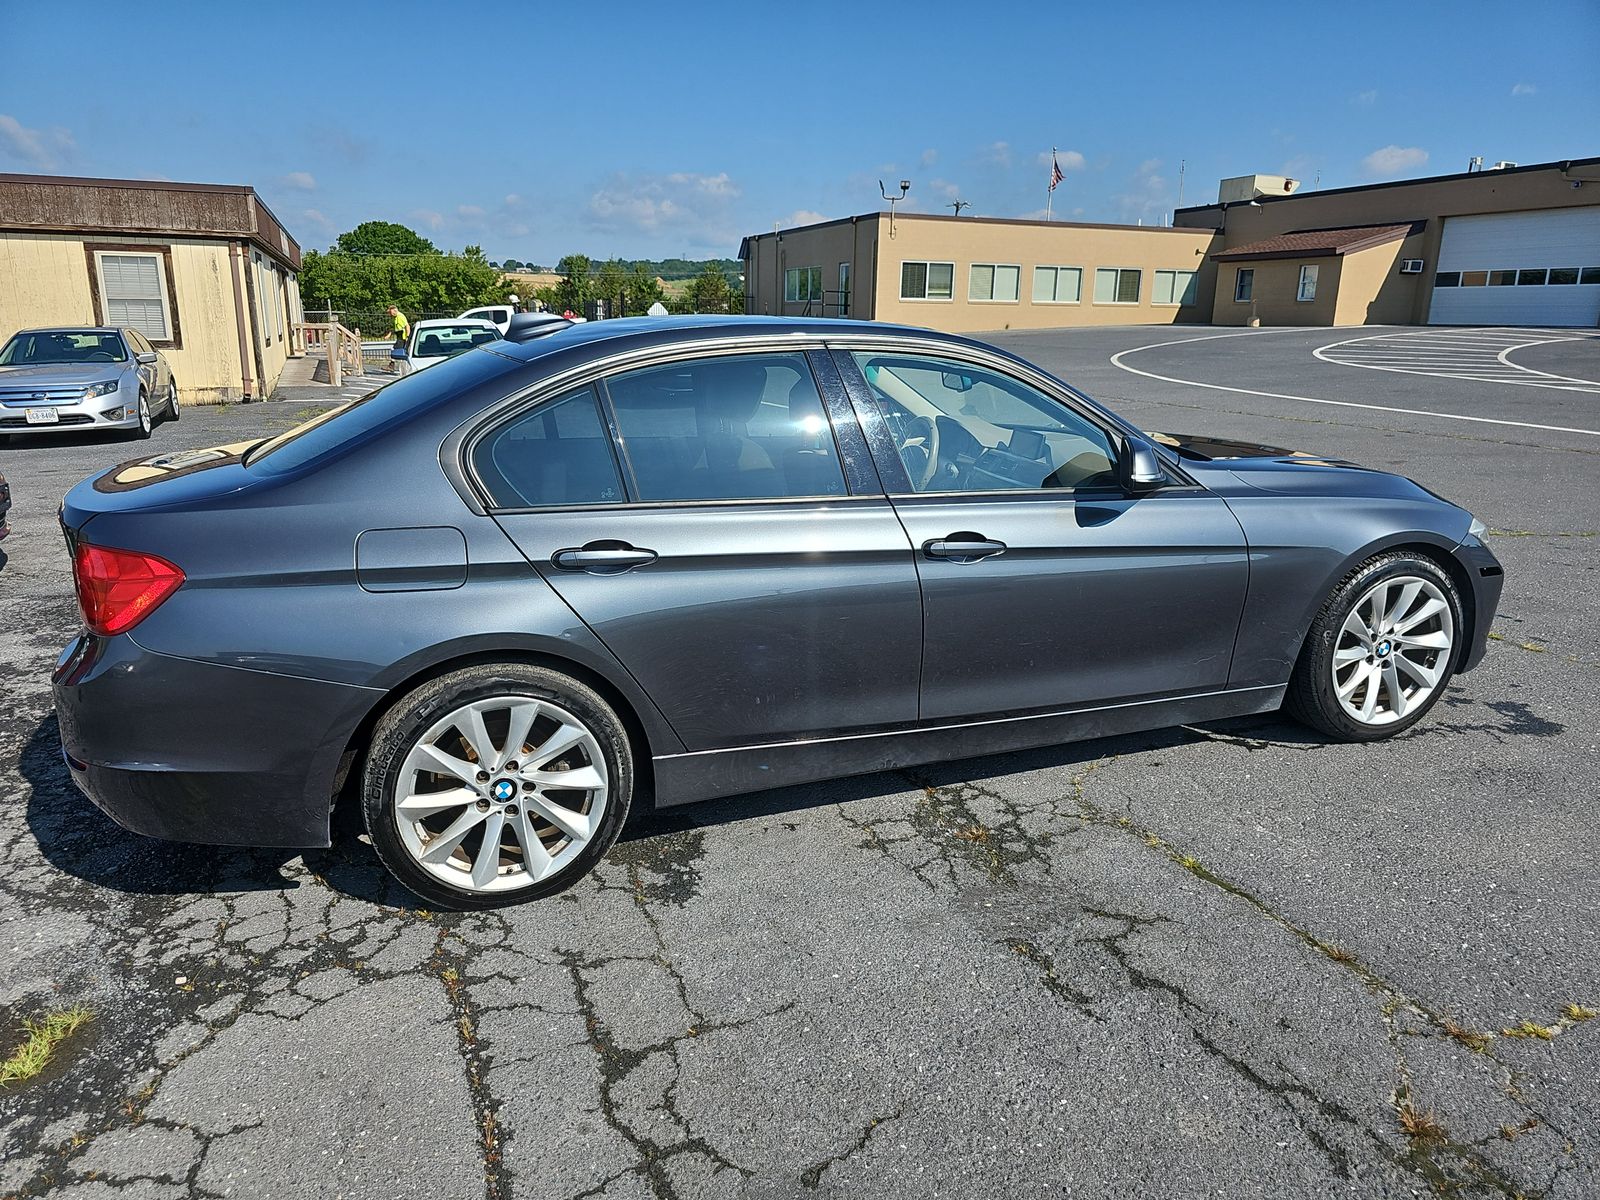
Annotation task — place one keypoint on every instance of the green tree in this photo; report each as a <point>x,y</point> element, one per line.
<point>384,237</point>
<point>711,292</point>
<point>610,284</point>
<point>575,288</point>
<point>643,290</point>
<point>426,283</point>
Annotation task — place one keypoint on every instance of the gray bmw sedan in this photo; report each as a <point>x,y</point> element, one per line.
<point>501,601</point>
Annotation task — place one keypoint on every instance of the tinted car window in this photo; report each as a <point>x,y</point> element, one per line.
<point>140,346</point>
<point>745,427</point>
<point>557,453</point>
<point>62,346</point>
<point>964,428</point>
<point>444,341</point>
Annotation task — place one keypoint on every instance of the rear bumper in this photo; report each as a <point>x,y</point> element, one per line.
<point>1487,578</point>
<point>194,752</point>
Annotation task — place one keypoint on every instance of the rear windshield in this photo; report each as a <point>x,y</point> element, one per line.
<point>349,425</point>
<point>444,341</point>
<point>62,346</point>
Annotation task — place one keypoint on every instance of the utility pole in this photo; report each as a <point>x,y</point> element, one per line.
<point>1183,165</point>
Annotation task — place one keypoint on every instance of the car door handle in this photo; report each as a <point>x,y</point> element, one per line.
<point>603,558</point>
<point>963,547</point>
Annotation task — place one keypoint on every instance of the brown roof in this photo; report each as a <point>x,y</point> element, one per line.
<point>60,203</point>
<point>1318,243</point>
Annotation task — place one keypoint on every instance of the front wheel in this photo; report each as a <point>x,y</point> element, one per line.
<point>496,784</point>
<point>1381,650</point>
<point>172,401</point>
<point>146,422</point>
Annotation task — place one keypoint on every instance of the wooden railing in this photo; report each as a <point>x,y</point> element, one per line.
<point>341,346</point>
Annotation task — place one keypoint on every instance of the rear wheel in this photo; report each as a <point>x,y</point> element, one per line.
<point>496,784</point>
<point>1381,650</point>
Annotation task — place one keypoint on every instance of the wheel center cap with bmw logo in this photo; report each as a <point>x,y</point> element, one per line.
<point>1383,649</point>
<point>504,790</point>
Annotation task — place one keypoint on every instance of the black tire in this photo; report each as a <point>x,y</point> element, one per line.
<point>413,714</point>
<point>147,421</point>
<point>1311,698</point>
<point>172,403</point>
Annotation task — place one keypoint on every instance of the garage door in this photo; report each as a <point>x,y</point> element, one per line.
<point>1529,268</point>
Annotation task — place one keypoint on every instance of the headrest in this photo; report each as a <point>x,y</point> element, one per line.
<point>729,391</point>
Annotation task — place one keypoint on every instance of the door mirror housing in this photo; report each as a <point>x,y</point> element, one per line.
<point>1139,469</point>
<point>146,358</point>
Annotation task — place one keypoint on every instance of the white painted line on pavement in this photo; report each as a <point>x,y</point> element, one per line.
<point>1116,361</point>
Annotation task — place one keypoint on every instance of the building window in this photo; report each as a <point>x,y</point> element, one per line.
<point>1563,275</point>
<point>1244,285</point>
<point>844,289</point>
<point>1308,284</point>
<point>1057,285</point>
<point>802,284</point>
<point>992,281</point>
<point>1590,275</point>
<point>1447,279</point>
<point>1502,278</point>
<point>1174,287</point>
<point>1534,276</point>
<point>133,290</point>
<point>927,280</point>
<point>1116,285</point>
<point>1474,279</point>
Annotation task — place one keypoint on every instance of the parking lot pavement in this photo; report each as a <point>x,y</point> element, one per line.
<point>1228,959</point>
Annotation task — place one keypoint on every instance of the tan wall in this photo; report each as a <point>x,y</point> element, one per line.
<point>44,280</point>
<point>1425,200</point>
<point>1277,284</point>
<point>1371,289</point>
<point>877,259</point>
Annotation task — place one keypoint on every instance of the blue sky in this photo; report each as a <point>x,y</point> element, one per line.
<point>674,128</point>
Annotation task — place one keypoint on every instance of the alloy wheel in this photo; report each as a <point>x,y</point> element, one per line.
<point>501,793</point>
<point>145,424</point>
<point>1393,649</point>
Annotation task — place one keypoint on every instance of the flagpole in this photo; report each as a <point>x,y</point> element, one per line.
<point>1050,193</point>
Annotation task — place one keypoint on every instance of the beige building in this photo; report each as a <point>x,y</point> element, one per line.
<point>1509,245</point>
<point>963,274</point>
<point>205,271</point>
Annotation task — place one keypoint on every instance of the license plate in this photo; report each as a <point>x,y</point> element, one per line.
<point>43,416</point>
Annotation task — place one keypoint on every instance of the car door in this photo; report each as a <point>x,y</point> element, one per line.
<point>149,372</point>
<point>1045,586</point>
<point>697,514</point>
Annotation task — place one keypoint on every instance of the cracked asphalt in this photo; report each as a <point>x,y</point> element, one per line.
<point>1214,960</point>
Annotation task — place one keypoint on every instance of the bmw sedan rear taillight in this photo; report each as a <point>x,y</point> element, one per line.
<point>119,588</point>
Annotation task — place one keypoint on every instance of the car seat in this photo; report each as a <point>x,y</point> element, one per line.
<point>730,464</point>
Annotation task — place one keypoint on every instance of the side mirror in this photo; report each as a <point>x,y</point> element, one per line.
<point>1139,469</point>
<point>147,358</point>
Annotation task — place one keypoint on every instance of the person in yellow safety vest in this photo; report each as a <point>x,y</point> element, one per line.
<point>402,335</point>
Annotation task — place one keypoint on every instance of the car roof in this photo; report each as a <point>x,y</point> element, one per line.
<point>437,322</point>
<point>72,329</point>
<point>602,337</point>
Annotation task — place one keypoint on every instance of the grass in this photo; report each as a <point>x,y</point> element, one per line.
<point>1420,1124</point>
<point>1470,1038</point>
<point>44,1036</point>
<point>1577,1012</point>
<point>1527,1029</point>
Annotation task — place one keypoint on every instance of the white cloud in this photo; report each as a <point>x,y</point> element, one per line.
<point>929,157</point>
<point>513,200</point>
<point>1148,196</point>
<point>683,204</point>
<point>426,216</point>
<point>944,188</point>
<point>42,149</point>
<point>469,212</point>
<point>1366,99</point>
<point>1070,160</point>
<point>997,154</point>
<point>317,221</point>
<point>302,181</point>
<point>1394,160</point>
<point>1523,89</point>
<point>802,216</point>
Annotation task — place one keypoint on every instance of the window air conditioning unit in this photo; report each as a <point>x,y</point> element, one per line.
<point>1504,166</point>
<point>1411,266</point>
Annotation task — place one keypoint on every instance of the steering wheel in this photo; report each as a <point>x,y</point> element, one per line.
<point>919,450</point>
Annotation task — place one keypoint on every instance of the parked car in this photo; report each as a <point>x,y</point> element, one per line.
<point>91,378</point>
<point>499,315</point>
<point>434,341</point>
<point>695,557</point>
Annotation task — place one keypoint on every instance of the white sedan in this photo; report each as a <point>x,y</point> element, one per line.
<point>436,340</point>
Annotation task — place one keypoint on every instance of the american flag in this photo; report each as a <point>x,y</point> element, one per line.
<point>1055,171</point>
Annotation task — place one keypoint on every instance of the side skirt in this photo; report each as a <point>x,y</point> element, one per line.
<point>711,774</point>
